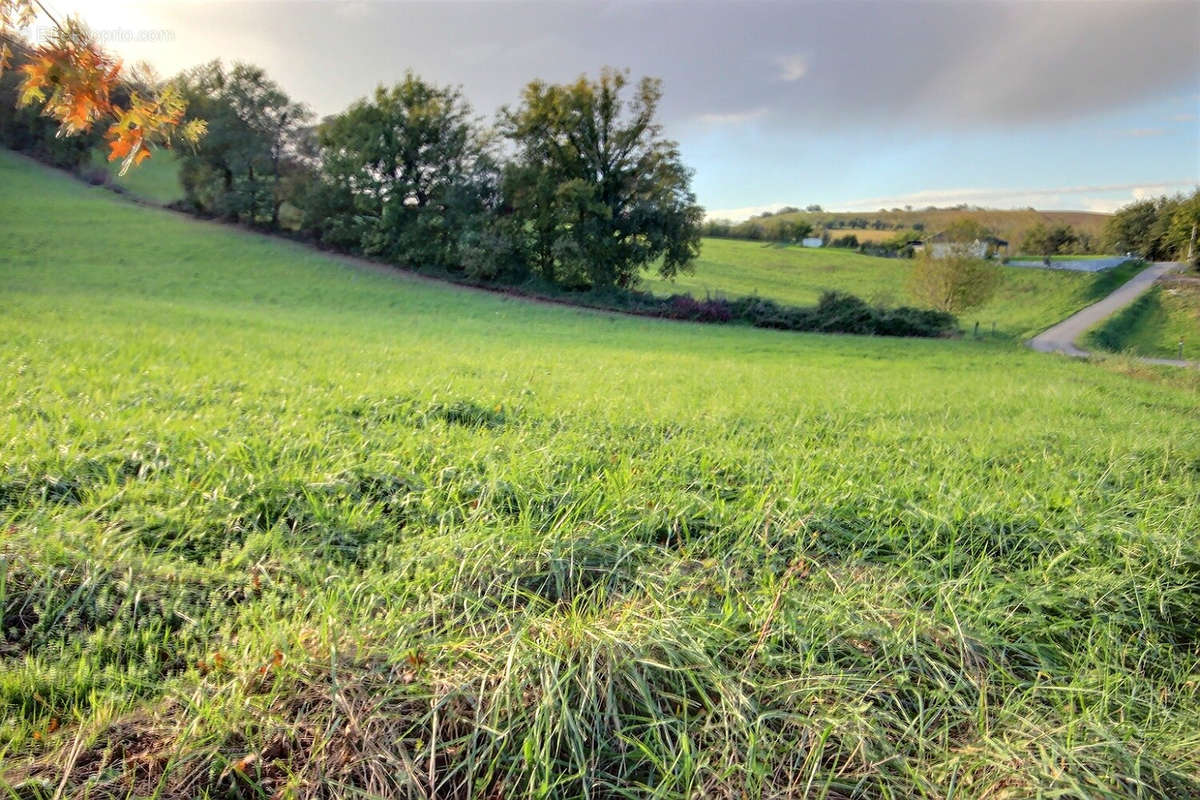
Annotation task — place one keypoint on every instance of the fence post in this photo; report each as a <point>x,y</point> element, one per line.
<point>976,329</point>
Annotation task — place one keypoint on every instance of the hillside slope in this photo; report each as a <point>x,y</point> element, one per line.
<point>1028,301</point>
<point>1158,324</point>
<point>276,527</point>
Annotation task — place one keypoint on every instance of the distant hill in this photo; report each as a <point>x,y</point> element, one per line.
<point>881,225</point>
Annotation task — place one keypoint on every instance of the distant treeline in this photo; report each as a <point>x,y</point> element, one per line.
<point>790,225</point>
<point>832,233</point>
<point>1158,229</point>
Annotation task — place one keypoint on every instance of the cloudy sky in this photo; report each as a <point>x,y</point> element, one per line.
<point>853,105</point>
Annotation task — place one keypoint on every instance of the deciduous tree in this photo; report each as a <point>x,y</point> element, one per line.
<point>76,82</point>
<point>253,142</point>
<point>1047,241</point>
<point>955,281</point>
<point>403,173</point>
<point>600,194</point>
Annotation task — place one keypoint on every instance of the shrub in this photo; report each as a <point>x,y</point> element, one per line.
<point>955,281</point>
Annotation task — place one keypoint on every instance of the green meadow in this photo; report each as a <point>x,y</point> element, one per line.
<point>1157,324</point>
<point>154,181</point>
<point>1028,301</point>
<point>273,526</point>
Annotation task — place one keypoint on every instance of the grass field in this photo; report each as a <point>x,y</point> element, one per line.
<point>1028,302</point>
<point>154,181</point>
<point>274,527</point>
<point>1156,323</point>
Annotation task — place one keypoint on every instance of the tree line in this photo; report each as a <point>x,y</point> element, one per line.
<point>574,185</point>
<point>572,188</point>
<point>1158,229</point>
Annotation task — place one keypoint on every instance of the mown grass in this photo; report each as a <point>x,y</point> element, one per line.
<point>1028,301</point>
<point>1156,324</point>
<point>275,527</point>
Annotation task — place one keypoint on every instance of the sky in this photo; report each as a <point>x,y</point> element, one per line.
<point>1083,105</point>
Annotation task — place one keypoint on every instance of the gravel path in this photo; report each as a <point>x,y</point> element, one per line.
<point>1062,337</point>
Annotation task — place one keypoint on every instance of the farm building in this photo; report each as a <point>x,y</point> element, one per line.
<point>812,241</point>
<point>986,247</point>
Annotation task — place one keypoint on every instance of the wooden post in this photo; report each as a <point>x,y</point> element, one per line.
<point>976,329</point>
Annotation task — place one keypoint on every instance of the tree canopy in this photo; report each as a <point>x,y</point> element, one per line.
<point>1048,240</point>
<point>598,194</point>
<point>402,173</point>
<point>1159,228</point>
<point>253,142</point>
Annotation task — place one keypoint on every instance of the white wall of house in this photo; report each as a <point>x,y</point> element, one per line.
<point>812,241</point>
<point>941,249</point>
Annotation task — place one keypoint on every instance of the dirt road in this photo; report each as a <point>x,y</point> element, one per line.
<point>1062,337</point>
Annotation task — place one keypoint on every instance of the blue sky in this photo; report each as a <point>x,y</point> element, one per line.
<point>1085,104</point>
<point>1094,163</point>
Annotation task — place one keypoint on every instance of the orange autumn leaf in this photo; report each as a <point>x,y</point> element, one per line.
<point>74,79</point>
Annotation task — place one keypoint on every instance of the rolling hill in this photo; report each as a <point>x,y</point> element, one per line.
<point>1028,301</point>
<point>1010,225</point>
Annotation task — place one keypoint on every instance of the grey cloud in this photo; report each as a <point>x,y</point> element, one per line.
<point>957,65</point>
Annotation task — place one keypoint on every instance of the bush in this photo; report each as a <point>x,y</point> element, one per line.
<point>682,306</point>
<point>96,176</point>
<point>955,281</point>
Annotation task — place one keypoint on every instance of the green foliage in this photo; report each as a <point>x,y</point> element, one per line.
<point>290,529</point>
<point>966,231</point>
<point>954,281</point>
<point>1027,301</point>
<point>1047,241</point>
<point>597,194</point>
<point>246,165</point>
<point>403,175</point>
<point>1160,229</point>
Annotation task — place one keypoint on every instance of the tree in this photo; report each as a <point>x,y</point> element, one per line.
<point>253,142</point>
<point>597,192</point>
<point>955,281</point>
<point>1184,229</point>
<point>402,173</point>
<point>966,231</point>
<point>1048,241</point>
<point>1133,229</point>
<point>78,84</point>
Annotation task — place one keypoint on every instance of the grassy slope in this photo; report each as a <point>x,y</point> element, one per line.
<point>155,181</point>
<point>388,533</point>
<point>1029,301</point>
<point>1156,323</point>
